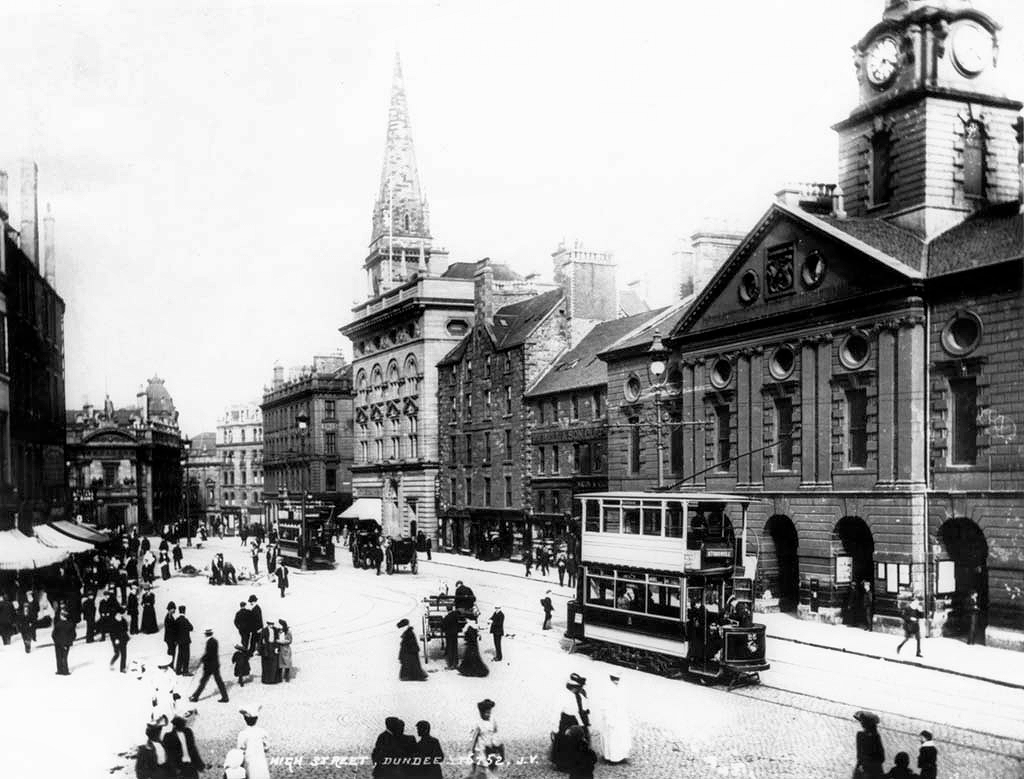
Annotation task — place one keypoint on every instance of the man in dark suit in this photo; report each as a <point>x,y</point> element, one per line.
<point>183,635</point>
<point>545,603</point>
<point>497,630</point>
<point>451,624</point>
<point>107,607</point>
<point>242,623</point>
<point>63,637</point>
<point>464,597</point>
<point>182,756</point>
<point>119,640</point>
<point>133,609</point>
<point>89,615</point>
<point>211,667</point>
<point>429,752</point>
<point>255,622</point>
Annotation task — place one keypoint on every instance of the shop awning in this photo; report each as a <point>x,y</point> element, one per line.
<point>80,532</point>
<point>364,508</point>
<point>19,552</point>
<point>54,539</point>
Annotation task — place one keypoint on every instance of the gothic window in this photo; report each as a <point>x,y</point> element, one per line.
<point>881,167</point>
<point>974,159</point>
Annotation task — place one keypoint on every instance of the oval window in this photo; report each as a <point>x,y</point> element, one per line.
<point>632,389</point>
<point>750,287</point>
<point>457,326</point>
<point>721,373</point>
<point>855,350</point>
<point>962,333</point>
<point>782,361</point>
<point>813,270</point>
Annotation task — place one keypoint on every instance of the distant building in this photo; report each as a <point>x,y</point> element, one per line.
<point>307,440</point>
<point>125,464</point>
<point>240,450</point>
<point>32,432</point>
<point>203,473</point>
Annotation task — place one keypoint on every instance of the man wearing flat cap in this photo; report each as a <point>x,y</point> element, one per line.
<point>409,669</point>
<point>211,667</point>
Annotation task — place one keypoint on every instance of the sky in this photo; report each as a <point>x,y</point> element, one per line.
<point>212,165</point>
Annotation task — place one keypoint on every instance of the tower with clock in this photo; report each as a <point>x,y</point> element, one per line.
<point>933,137</point>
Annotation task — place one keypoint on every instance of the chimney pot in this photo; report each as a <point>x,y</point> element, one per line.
<point>30,211</point>
<point>838,203</point>
<point>49,249</point>
<point>4,210</point>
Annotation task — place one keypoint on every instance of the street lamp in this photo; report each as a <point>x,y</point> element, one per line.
<point>657,357</point>
<point>186,447</point>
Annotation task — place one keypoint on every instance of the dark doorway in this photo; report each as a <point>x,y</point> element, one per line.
<point>966,546</point>
<point>783,572</point>
<point>854,539</point>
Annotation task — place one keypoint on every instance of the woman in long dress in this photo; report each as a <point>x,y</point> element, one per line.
<point>870,753</point>
<point>165,566</point>
<point>409,669</point>
<point>253,742</point>
<point>268,650</point>
<point>284,650</point>
<point>472,664</point>
<point>486,750</point>
<point>616,737</point>
<point>575,712</point>
<point>149,623</point>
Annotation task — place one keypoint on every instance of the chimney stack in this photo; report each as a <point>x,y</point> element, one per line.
<point>278,375</point>
<point>49,250</point>
<point>30,211</point>
<point>483,291</point>
<point>142,401</point>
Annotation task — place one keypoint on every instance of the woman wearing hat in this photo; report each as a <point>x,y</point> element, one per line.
<point>487,750</point>
<point>284,649</point>
<point>472,664</point>
<point>148,600</point>
<point>409,669</point>
<point>575,711</point>
<point>870,753</point>
<point>616,731</point>
<point>253,742</point>
<point>927,756</point>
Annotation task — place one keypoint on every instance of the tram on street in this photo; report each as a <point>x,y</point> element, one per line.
<point>305,536</point>
<point>665,584</point>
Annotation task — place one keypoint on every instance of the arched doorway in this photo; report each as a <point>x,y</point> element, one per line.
<point>852,538</point>
<point>782,562</point>
<point>966,547</point>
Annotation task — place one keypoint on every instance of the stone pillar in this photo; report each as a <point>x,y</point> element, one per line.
<point>887,392</point>
<point>823,376</point>
<point>911,417</point>
<point>743,419</point>
<point>808,414</point>
<point>756,402</point>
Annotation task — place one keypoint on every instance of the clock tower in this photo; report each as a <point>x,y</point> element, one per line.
<point>934,137</point>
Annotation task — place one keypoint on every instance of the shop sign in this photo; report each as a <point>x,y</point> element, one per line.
<point>844,569</point>
<point>569,434</point>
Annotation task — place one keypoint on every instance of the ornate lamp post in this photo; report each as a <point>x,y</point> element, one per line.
<point>657,357</point>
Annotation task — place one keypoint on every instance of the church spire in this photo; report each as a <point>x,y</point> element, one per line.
<point>401,209</point>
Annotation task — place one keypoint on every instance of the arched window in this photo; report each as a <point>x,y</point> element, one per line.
<point>377,381</point>
<point>394,376</point>
<point>361,383</point>
<point>974,159</point>
<point>881,159</point>
<point>411,369</point>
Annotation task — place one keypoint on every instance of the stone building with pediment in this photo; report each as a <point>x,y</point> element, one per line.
<point>856,362</point>
<point>125,464</point>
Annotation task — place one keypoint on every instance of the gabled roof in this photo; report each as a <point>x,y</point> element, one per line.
<point>664,320</point>
<point>514,323</point>
<point>580,366</point>
<point>986,238</point>
<point>893,241</point>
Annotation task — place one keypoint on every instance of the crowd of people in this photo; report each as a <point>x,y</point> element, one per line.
<point>870,760</point>
<point>564,562</point>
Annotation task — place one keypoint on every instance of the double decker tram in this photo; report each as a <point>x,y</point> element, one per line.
<point>665,585</point>
<point>308,543</point>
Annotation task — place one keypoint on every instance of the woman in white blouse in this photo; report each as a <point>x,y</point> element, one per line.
<point>253,742</point>
<point>488,753</point>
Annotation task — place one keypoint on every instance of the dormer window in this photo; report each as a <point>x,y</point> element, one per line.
<point>881,167</point>
<point>974,159</point>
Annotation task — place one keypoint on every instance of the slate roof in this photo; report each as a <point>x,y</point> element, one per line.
<point>898,243</point>
<point>986,238</point>
<point>581,366</point>
<point>512,324</point>
<point>631,303</point>
<point>664,320</point>
<point>465,270</point>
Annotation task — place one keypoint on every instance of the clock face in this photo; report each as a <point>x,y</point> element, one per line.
<point>972,48</point>
<point>882,58</point>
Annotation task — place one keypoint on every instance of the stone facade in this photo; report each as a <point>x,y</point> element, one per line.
<point>240,448</point>
<point>855,364</point>
<point>307,440</point>
<point>125,465</point>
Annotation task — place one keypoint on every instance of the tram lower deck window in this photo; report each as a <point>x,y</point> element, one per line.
<point>652,520</point>
<point>674,519</point>
<point>600,591</point>
<point>631,520</point>
<point>612,519</point>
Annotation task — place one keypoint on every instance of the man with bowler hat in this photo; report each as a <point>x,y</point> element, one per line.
<point>183,633</point>
<point>497,630</point>
<point>451,626</point>
<point>211,667</point>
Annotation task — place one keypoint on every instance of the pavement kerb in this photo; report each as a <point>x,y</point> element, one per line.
<point>898,661</point>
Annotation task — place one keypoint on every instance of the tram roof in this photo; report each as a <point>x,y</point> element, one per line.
<point>692,497</point>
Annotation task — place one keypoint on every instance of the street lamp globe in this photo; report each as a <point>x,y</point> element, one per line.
<point>657,357</point>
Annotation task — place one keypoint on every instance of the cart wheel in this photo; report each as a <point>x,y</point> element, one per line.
<point>391,568</point>
<point>415,567</point>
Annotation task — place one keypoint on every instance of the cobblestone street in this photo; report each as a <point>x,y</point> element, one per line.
<point>324,722</point>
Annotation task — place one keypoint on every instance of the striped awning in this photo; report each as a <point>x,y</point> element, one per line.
<point>19,552</point>
<point>54,539</point>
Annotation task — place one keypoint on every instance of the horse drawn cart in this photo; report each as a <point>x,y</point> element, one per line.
<point>364,543</point>
<point>436,608</point>
<point>401,552</point>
